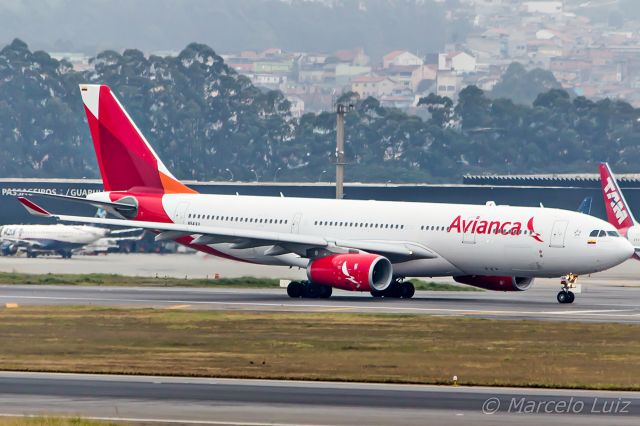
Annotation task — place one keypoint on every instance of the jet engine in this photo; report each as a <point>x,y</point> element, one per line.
<point>8,249</point>
<point>354,272</point>
<point>496,283</point>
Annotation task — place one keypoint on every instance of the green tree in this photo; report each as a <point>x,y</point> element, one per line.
<point>522,86</point>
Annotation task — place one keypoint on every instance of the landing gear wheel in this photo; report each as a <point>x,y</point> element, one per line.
<point>567,282</point>
<point>311,291</point>
<point>571,297</point>
<point>325,291</point>
<point>295,289</point>
<point>407,290</point>
<point>377,293</point>
<point>394,290</point>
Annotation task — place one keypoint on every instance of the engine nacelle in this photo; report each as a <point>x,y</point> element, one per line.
<point>354,272</point>
<point>633,235</point>
<point>489,282</point>
<point>8,249</point>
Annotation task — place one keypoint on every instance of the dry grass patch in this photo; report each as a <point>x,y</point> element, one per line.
<point>322,346</point>
<point>53,421</point>
<point>115,280</point>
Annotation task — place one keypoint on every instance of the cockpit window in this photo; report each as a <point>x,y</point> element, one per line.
<point>602,234</point>
<point>613,234</point>
<point>594,233</point>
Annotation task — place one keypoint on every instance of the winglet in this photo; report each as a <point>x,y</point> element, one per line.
<point>33,208</point>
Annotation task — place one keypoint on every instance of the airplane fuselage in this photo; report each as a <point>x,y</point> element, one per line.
<point>467,239</point>
<point>55,238</point>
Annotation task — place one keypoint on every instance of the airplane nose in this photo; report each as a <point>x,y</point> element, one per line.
<point>624,249</point>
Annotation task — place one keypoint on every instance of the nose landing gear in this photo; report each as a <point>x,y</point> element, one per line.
<point>568,282</point>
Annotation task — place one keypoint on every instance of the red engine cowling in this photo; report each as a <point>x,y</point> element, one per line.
<point>496,283</point>
<point>354,272</point>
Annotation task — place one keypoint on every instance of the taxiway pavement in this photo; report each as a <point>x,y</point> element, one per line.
<point>601,304</point>
<point>262,402</point>
<point>612,295</point>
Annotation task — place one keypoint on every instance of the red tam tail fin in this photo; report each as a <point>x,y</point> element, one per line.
<point>618,211</point>
<point>125,157</point>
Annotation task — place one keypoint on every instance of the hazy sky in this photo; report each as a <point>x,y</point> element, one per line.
<point>225,25</point>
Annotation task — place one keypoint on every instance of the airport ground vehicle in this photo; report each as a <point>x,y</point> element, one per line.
<point>348,244</point>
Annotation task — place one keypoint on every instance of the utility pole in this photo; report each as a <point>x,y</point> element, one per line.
<point>341,110</point>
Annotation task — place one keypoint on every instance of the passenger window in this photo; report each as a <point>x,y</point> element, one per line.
<point>602,234</point>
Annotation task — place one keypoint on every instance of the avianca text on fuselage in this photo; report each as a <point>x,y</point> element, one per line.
<point>481,226</point>
<point>615,200</point>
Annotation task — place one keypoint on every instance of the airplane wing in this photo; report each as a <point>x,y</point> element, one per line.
<point>23,243</point>
<point>125,231</point>
<point>307,246</point>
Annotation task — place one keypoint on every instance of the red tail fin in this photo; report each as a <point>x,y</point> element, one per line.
<point>618,212</point>
<point>125,157</point>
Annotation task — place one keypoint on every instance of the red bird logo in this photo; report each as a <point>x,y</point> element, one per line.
<point>535,235</point>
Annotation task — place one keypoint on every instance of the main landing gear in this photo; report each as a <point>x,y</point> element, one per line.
<point>568,282</point>
<point>397,289</point>
<point>309,290</point>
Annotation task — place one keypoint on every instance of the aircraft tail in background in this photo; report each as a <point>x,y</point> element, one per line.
<point>585,205</point>
<point>618,211</point>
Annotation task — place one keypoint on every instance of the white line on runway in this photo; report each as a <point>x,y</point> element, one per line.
<point>151,420</point>
<point>605,312</point>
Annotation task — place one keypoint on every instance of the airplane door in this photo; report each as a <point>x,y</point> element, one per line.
<point>181,212</point>
<point>558,233</point>
<point>469,237</point>
<point>295,223</point>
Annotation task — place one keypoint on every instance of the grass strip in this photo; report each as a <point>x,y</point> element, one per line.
<point>435,286</point>
<point>321,346</point>
<point>114,280</point>
<point>54,421</point>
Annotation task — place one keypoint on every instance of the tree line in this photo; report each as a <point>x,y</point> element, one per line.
<point>208,122</point>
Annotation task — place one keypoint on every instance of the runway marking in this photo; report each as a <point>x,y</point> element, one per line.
<point>378,307</point>
<point>172,421</point>
<point>178,307</point>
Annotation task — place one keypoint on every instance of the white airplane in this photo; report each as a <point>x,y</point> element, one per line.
<point>618,212</point>
<point>61,239</point>
<point>348,244</point>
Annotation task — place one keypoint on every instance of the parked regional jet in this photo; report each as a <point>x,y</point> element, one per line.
<point>618,212</point>
<point>348,244</point>
<point>58,238</point>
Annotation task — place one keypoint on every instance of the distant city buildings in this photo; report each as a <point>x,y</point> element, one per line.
<point>588,58</point>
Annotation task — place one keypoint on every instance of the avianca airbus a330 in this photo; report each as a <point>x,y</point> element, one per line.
<point>353,245</point>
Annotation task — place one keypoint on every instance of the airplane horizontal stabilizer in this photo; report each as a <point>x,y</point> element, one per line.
<point>33,208</point>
